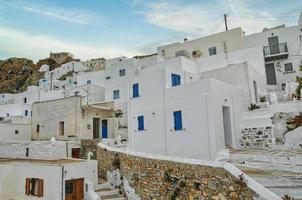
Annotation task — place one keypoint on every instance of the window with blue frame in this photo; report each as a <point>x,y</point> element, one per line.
<point>175,79</point>
<point>135,89</point>
<point>116,94</point>
<point>177,120</point>
<point>122,72</point>
<point>140,121</point>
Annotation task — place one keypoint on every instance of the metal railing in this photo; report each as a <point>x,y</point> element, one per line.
<point>275,49</point>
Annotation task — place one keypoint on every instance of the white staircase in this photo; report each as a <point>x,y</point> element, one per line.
<point>106,192</point>
<point>278,170</point>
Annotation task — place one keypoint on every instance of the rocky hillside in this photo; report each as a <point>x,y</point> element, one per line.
<point>16,74</point>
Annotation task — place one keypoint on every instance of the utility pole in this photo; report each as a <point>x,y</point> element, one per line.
<point>226,22</point>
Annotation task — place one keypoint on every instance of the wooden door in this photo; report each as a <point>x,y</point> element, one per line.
<point>270,74</point>
<point>96,128</point>
<point>74,189</point>
<point>75,152</point>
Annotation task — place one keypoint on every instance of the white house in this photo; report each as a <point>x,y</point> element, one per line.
<point>282,53</point>
<point>70,119</point>
<point>31,179</point>
<point>169,113</point>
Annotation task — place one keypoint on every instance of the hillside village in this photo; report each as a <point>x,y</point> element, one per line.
<point>218,117</point>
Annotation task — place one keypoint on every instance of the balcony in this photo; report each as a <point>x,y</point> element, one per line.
<point>275,52</point>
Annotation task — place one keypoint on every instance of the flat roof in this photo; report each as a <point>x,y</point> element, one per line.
<point>39,161</point>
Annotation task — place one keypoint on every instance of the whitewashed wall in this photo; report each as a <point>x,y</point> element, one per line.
<point>37,149</point>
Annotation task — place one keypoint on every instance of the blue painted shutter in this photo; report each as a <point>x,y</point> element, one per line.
<point>140,120</point>
<point>177,120</point>
<point>175,79</point>
<point>135,90</point>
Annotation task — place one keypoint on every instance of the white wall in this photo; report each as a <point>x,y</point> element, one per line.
<point>201,105</point>
<point>9,126</point>
<point>37,149</point>
<point>97,78</point>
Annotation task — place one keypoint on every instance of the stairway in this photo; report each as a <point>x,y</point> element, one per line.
<point>107,192</point>
<point>278,170</point>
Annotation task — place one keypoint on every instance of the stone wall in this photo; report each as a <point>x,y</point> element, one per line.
<point>260,137</point>
<point>87,146</point>
<point>165,179</point>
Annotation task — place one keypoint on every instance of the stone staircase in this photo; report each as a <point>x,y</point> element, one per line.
<point>278,170</point>
<point>107,192</point>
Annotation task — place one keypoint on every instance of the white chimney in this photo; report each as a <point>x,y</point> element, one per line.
<point>300,19</point>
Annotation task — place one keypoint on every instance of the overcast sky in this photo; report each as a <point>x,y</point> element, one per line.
<point>103,28</point>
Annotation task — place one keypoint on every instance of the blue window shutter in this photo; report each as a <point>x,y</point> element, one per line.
<point>140,120</point>
<point>177,120</point>
<point>175,79</point>
<point>135,88</point>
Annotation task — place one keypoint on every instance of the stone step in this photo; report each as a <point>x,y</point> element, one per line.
<point>108,193</point>
<point>103,186</point>
<point>113,197</point>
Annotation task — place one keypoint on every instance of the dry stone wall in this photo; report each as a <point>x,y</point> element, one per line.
<point>162,179</point>
<point>260,137</point>
<point>88,145</point>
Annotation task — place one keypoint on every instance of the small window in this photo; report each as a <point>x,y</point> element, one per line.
<point>34,187</point>
<point>288,67</point>
<point>76,93</point>
<point>108,77</point>
<point>16,132</point>
<point>212,51</point>
<point>116,94</point>
<point>38,128</point>
<point>283,85</point>
<point>61,128</point>
<point>68,188</point>
<point>140,120</point>
<point>122,72</point>
<point>26,113</point>
<point>163,53</point>
<point>175,79</point>
<point>177,120</point>
<point>25,100</point>
<point>7,114</point>
<point>89,82</point>
<point>135,88</point>
<point>27,152</point>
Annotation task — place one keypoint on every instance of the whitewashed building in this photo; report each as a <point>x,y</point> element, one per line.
<point>31,179</point>
<point>70,119</point>
<point>172,113</point>
<point>282,53</point>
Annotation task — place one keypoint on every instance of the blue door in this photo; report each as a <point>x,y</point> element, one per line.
<point>104,128</point>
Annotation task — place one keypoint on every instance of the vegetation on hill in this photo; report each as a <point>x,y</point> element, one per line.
<point>16,74</point>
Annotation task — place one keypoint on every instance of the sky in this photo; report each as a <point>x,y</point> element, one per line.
<point>111,28</point>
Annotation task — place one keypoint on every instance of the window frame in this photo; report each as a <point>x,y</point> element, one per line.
<point>177,119</point>
<point>175,79</point>
<point>135,90</point>
<point>30,187</point>
<point>140,123</point>
<point>116,94</point>
<point>286,65</point>
<point>122,72</point>
<point>212,51</point>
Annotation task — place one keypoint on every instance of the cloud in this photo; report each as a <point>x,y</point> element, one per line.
<point>21,44</point>
<point>199,19</point>
<point>73,15</point>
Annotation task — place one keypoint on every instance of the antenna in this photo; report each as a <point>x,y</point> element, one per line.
<point>226,22</point>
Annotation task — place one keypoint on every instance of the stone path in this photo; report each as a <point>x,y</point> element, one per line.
<point>278,170</point>
<point>107,192</point>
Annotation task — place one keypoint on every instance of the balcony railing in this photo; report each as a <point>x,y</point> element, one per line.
<point>275,49</point>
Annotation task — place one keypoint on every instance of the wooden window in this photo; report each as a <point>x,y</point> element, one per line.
<point>34,187</point>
